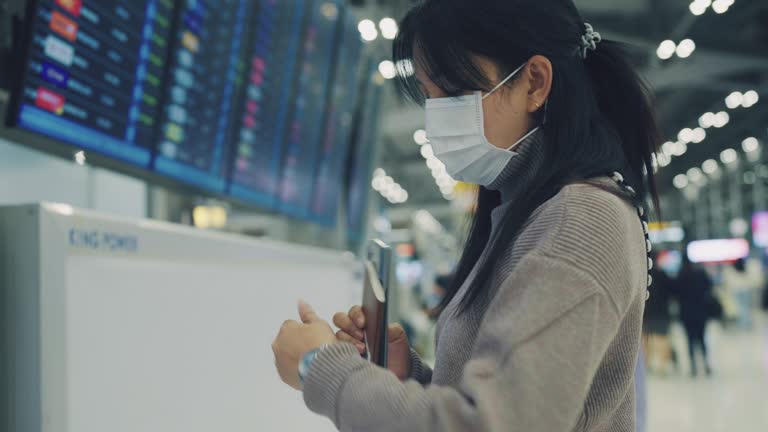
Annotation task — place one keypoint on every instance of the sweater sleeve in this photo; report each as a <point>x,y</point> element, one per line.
<point>530,371</point>
<point>420,371</point>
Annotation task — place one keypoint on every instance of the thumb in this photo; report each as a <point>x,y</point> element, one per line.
<point>396,333</point>
<point>307,313</point>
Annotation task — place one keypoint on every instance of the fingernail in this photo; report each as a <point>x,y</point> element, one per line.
<point>360,347</point>
<point>359,334</point>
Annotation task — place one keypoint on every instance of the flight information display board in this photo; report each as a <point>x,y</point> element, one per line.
<point>334,149</point>
<point>264,114</point>
<point>205,72</point>
<point>93,74</point>
<point>305,135</point>
<point>249,99</point>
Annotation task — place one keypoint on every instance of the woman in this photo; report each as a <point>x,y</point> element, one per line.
<point>694,293</point>
<point>541,328</point>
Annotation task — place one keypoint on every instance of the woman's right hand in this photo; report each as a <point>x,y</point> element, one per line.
<point>352,325</point>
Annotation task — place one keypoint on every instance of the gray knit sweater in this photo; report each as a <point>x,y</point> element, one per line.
<point>552,350</point>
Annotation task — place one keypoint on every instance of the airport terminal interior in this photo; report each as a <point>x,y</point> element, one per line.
<point>176,174</point>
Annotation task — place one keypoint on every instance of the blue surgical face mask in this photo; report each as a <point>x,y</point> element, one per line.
<point>455,128</point>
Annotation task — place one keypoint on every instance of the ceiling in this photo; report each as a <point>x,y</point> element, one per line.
<point>730,56</point>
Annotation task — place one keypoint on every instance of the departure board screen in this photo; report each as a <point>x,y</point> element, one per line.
<point>338,127</point>
<point>254,100</point>
<point>305,134</point>
<point>93,75</point>
<point>205,73</point>
<point>271,65</point>
<point>361,169</point>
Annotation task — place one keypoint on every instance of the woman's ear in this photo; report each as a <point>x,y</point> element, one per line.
<point>538,72</point>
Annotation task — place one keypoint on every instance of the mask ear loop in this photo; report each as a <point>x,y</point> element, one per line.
<point>525,137</point>
<point>505,80</point>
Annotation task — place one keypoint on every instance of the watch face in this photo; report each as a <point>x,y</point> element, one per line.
<point>305,362</point>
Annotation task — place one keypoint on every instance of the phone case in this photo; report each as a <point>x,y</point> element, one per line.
<point>375,310</point>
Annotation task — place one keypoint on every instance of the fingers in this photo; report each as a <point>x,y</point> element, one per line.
<point>396,333</point>
<point>344,322</point>
<point>358,317</point>
<point>345,337</point>
<point>289,324</point>
<point>307,313</point>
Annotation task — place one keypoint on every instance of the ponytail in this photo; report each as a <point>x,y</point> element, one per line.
<point>625,100</point>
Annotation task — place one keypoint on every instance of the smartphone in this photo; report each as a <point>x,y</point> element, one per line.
<point>375,310</point>
<point>379,255</point>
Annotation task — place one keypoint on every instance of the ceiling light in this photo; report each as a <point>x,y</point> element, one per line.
<point>710,166</point>
<point>666,50</point>
<point>367,29</point>
<point>685,135</point>
<point>685,48</point>
<point>420,137</point>
<point>680,181</point>
<point>388,189</point>
<point>721,119</point>
<point>721,6</point>
<point>750,98</point>
<point>697,8</point>
<point>750,145</point>
<point>679,149</point>
<point>387,69</point>
<point>80,158</point>
<point>663,160</point>
<point>427,152</point>
<point>668,148</point>
<point>729,156</point>
<point>388,27</point>
<point>698,135</point>
<point>695,175</point>
<point>376,184</point>
<point>438,170</point>
<point>734,100</point>
<point>433,163</point>
<point>707,120</point>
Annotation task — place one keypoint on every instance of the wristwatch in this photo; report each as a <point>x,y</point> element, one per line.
<point>306,362</point>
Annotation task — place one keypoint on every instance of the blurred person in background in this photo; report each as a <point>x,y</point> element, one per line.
<point>694,291</point>
<point>657,348</point>
<point>743,281</point>
<point>540,330</point>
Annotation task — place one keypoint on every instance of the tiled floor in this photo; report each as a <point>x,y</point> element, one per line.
<point>735,399</point>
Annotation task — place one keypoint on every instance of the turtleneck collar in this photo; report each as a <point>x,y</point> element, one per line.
<point>516,177</point>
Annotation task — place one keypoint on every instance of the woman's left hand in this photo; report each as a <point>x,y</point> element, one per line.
<point>298,338</point>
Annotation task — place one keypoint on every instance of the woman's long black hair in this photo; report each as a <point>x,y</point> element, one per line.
<point>599,115</point>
